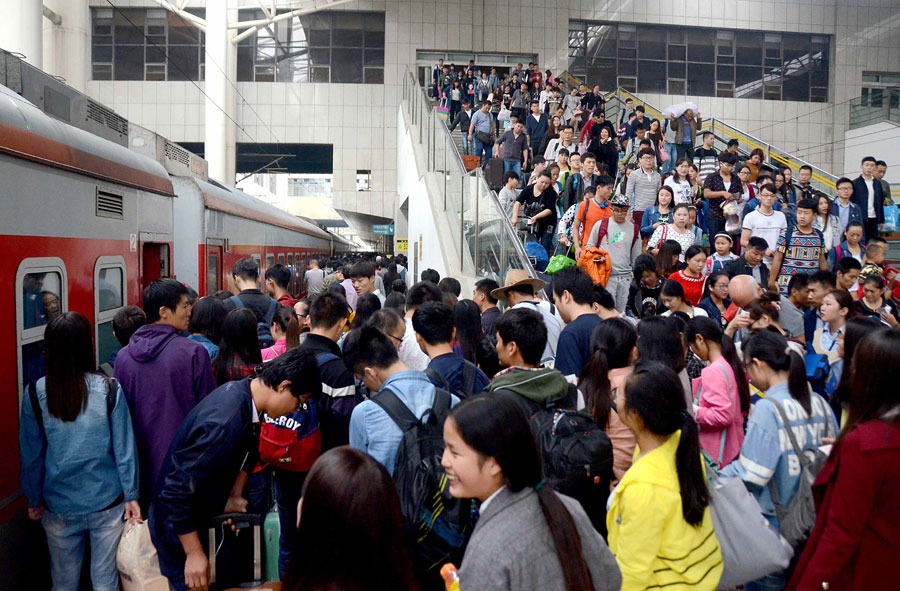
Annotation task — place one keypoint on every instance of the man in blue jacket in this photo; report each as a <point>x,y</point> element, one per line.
<point>207,464</point>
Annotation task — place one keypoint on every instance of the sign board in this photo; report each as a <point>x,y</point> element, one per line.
<point>403,244</point>
<point>383,229</point>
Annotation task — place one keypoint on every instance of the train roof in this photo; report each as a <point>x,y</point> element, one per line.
<point>27,132</point>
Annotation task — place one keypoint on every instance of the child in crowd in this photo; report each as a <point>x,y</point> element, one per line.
<point>719,259</point>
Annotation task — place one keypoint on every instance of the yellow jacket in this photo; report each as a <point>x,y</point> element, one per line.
<point>654,546</point>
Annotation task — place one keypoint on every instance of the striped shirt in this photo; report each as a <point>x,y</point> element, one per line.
<point>642,188</point>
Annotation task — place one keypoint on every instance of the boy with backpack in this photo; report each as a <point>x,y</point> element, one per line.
<point>245,273</point>
<point>433,324</point>
<point>542,394</point>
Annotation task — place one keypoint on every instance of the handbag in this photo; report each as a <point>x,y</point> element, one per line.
<point>558,262</point>
<point>483,137</point>
<point>663,155</point>
<point>137,561</point>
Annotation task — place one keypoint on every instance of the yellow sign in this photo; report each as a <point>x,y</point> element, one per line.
<point>403,244</point>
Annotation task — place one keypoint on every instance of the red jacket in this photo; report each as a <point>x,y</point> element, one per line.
<point>857,533</point>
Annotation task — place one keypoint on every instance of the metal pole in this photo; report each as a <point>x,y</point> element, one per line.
<point>479,187</point>
<point>462,219</point>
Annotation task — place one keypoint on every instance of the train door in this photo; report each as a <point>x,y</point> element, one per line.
<point>297,275</point>
<point>213,268</point>
<point>155,261</point>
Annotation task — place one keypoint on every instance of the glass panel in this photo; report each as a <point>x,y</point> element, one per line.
<point>281,259</point>
<point>347,65</point>
<point>212,273</point>
<point>110,288</point>
<point>319,75</point>
<point>244,64</point>
<point>627,68</point>
<point>651,45</point>
<point>652,77</point>
<point>320,57</point>
<point>701,79</point>
<point>748,48</point>
<point>677,53</point>
<point>677,70</point>
<point>373,58</point>
<point>374,39</point>
<point>748,82</point>
<point>796,87</point>
<point>374,76</point>
<point>319,38</point>
<point>795,47</point>
<point>40,298</point>
<point>602,72</point>
<point>676,86</point>
<point>701,45</point>
<point>181,32</point>
<point>187,59</point>
<point>601,42</point>
<point>127,33</point>
<point>101,53</point>
<point>102,72</point>
<point>346,38</point>
<point>724,73</point>
<point>106,342</point>
<point>129,62</point>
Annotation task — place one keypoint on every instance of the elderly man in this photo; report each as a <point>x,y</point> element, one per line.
<point>743,289</point>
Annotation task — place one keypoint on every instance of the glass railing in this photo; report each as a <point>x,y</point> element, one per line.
<point>480,232</point>
<point>881,104</point>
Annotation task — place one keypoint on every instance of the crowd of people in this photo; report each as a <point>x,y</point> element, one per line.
<point>398,425</point>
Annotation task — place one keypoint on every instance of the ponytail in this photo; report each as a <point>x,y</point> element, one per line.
<point>566,540</point>
<point>772,349</point>
<point>292,334</point>
<point>594,383</point>
<point>797,384</point>
<point>694,493</point>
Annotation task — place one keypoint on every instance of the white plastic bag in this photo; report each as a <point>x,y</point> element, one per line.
<point>137,561</point>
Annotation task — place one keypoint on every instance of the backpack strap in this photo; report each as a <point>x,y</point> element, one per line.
<point>528,407</point>
<point>106,369</point>
<point>323,358</point>
<point>236,301</point>
<point>470,371</point>
<point>437,378</point>
<point>112,394</point>
<point>399,412</point>
<point>604,230</point>
<point>273,305</point>
<point>442,402</point>
<point>36,410</point>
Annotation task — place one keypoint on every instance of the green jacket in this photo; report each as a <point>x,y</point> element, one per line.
<point>537,385</point>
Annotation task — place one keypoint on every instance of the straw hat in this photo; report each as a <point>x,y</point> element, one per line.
<point>514,278</point>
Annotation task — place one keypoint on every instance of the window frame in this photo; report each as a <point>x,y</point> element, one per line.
<point>102,317</point>
<point>28,336</point>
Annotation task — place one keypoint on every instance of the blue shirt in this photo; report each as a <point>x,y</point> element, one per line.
<point>86,464</point>
<point>574,348</point>
<point>482,122</point>
<point>450,365</point>
<point>843,213</point>
<point>767,453</point>
<point>211,348</point>
<point>374,432</point>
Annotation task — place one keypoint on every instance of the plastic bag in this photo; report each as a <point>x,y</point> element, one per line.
<point>137,561</point>
<point>891,219</point>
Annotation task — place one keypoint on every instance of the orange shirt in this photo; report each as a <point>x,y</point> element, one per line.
<point>595,213</point>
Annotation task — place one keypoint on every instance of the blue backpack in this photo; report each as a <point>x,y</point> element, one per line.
<point>263,329</point>
<point>538,254</point>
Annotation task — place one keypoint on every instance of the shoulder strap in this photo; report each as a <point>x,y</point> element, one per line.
<point>524,404</point>
<point>236,301</point>
<point>273,305</point>
<point>442,401</point>
<point>470,371</point>
<point>106,369</point>
<point>325,357</point>
<point>394,407</point>
<point>112,394</point>
<point>790,431</point>
<point>604,230</point>
<point>437,378</point>
<point>36,409</point>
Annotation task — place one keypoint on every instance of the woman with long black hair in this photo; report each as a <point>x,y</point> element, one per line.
<point>660,526</point>
<point>527,535</point>
<point>467,321</point>
<point>78,457</point>
<point>239,350</point>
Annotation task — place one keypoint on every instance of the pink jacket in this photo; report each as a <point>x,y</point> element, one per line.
<point>270,353</point>
<point>620,436</point>
<point>719,408</point>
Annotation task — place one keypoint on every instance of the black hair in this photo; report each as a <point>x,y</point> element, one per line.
<point>604,180</point>
<point>692,251</point>
<point>390,277</point>
<point>706,133</point>
<point>386,319</point>
<point>711,331</point>
<point>486,356</point>
<point>297,366</point>
<point>612,343</point>
<point>434,322</point>
<point>421,292</point>
<point>710,281</point>
<point>486,286</point>
<point>806,167</point>
<point>495,427</point>
<point>758,243</point>
<point>368,347</point>
<point>431,275</point>
<point>246,269</point>
<point>239,344</point>
<point>809,203</point>
<point>335,289</point>
<point>655,393</point>
<point>768,303</point>
<point>469,333</point>
<point>69,356</point>
<point>328,309</point>
<point>287,321</point>
<point>602,297</point>
<point>639,108</point>
<point>223,294</point>
<point>673,289</point>
<point>576,281</point>
<point>395,300</point>
<point>881,163</point>
<point>847,264</point>
<point>798,281</point>
<point>588,155</point>
<point>643,263</point>
<point>660,341</point>
<point>526,329</point>
<point>770,187</point>
<point>842,180</point>
<point>162,293</point>
<point>854,224</point>
<point>362,270</point>
<point>772,349</point>
<point>192,295</point>
<point>450,285</point>
<point>366,305</point>
<point>207,317</point>
<point>731,142</point>
<point>856,329</point>
<point>876,280</point>
<point>667,258</point>
<point>826,278</point>
<point>127,320</point>
<point>590,190</point>
<point>868,159</point>
<point>510,174</point>
<point>280,274</point>
<point>727,157</point>
<point>398,285</point>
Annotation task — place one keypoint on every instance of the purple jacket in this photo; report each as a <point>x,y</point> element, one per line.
<point>163,376</point>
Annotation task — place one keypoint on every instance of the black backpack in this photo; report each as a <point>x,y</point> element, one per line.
<point>576,453</point>
<point>467,389</point>
<point>437,524</point>
<point>263,329</point>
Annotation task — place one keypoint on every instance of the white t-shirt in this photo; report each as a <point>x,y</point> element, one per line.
<point>871,191</point>
<point>767,227</point>
<point>682,190</point>
<point>668,232</point>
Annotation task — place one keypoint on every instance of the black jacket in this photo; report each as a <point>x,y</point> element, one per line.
<point>216,440</point>
<point>462,120</point>
<point>255,301</point>
<point>340,394</point>
<point>574,189</point>
<point>739,266</point>
<point>861,197</point>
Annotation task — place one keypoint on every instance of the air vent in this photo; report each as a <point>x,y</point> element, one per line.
<point>106,117</point>
<point>56,104</point>
<point>110,205</point>
<point>178,154</point>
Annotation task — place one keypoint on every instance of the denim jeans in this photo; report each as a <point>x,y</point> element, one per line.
<point>288,487</point>
<point>466,144</point>
<point>66,537</point>
<point>773,582</point>
<point>516,166</point>
<point>672,152</point>
<point>482,150</point>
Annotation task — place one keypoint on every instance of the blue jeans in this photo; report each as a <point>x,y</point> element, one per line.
<point>66,537</point>
<point>670,165</point>
<point>467,145</point>
<point>483,151</point>
<point>773,582</point>
<point>288,487</point>
<point>516,166</point>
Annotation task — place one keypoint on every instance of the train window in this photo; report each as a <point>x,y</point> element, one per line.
<point>270,261</point>
<point>281,259</point>
<point>297,274</point>
<point>109,298</point>
<point>41,295</point>
<point>290,259</point>
<point>212,272</point>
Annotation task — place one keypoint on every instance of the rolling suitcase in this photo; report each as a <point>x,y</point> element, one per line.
<point>271,538</point>
<point>493,172</point>
<point>235,557</point>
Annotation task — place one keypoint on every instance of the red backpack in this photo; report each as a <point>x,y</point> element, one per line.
<point>604,230</point>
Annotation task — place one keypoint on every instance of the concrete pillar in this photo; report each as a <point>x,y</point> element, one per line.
<point>231,72</point>
<point>218,109</point>
<point>20,29</point>
<point>67,44</point>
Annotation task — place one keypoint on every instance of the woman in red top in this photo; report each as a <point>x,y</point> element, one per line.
<point>239,349</point>
<point>856,542</point>
<point>691,277</point>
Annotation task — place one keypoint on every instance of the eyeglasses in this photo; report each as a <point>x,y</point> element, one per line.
<point>398,339</point>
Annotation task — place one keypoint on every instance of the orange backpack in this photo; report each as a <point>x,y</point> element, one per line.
<point>596,263</point>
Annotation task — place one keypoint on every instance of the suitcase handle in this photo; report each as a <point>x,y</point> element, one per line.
<point>239,520</point>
